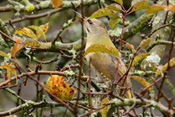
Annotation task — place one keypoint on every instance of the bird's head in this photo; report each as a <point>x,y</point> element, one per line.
<point>94,26</point>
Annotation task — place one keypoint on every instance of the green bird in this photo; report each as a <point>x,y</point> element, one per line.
<point>105,64</point>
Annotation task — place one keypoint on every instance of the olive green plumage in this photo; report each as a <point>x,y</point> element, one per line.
<point>102,63</point>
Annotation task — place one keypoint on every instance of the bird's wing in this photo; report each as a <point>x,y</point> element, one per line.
<point>105,65</point>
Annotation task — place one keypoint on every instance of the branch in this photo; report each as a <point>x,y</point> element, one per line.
<point>29,105</point>
<point>157,52</point>
<point>39,72</point>
<point>5,33</point>
<point>66,5</point>
<point>130,102</point>
<point>138,24</point>
<point>133,28</point>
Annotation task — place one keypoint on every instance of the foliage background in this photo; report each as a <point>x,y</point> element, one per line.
<point>70,34</point>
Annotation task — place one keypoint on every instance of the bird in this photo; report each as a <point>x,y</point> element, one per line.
<point>104,64</point>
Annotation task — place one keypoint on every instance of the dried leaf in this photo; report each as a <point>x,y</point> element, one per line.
<point>165,67</point>
<point>170,8</point>
<point>119,1</point>
<point>30,44</point>
<point>129,46</point>
<point>105,109</point>
<point>103,49</point>
<point>7,76</point>
<point>9,68</point>
<point>26,31</point>
<point>57,3</point>
<point>154,8</point>
<point>139,57</point>
<point>141,81</point>
<point>3,54</point>
<point>45,27</point>
<point>140,5</point>
<point>39,30</point>
<point>15,48</point>
<point>145,42</point>
<point>56,85</point>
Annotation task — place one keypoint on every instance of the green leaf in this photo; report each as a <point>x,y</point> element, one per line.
<point>39,30</point>
<point>154,8</point>
<point>101,12</point>
<point>145,42</point>
<point>113,22</point>
<point>114,7</point>
<point>139,57</point>
<point>103,49</point>
<point>140,5</point>
<point>3,54</point>
<point>165,67</point>
<point>119,1</point>
<point>26,31</point>
<point>108,11</point>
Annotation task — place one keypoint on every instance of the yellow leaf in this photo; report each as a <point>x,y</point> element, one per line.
<point>139,57</point>
<point>38,30</point>
<point>154,8</point>
<point>3,54</point>
<point>164,68</point>
<point>140,5</point>
<point>103,49</point>
<point>56,85</point>
<point>141,81</point>
<point>30,44</point>
<point>57,3</point>
<point>105,109</point>
<point>145,42</point>
<point>9,68</point>
<point>119,1</point>
<point>27,32</point>
<point>15,48</point>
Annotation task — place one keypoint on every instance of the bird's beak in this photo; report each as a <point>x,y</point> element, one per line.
<point>79,15</point>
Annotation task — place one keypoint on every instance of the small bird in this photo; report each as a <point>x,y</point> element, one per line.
<point>102,63</point>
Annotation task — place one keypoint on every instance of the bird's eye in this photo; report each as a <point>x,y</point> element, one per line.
<point>89,21</point>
